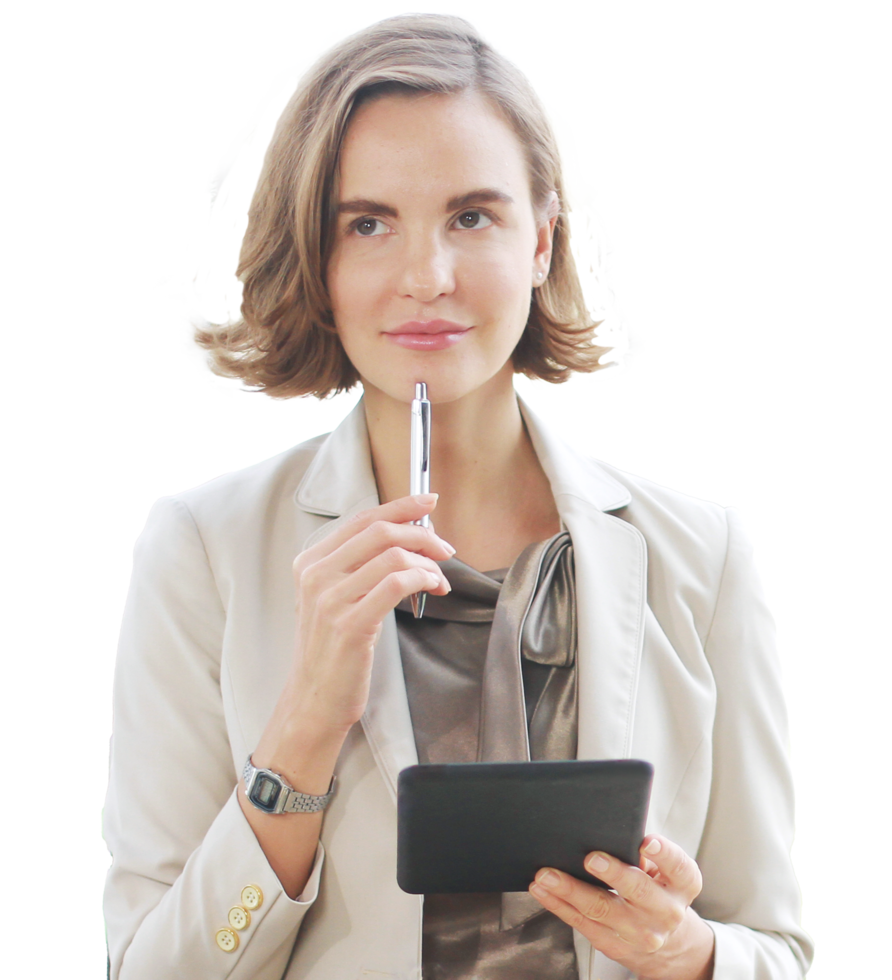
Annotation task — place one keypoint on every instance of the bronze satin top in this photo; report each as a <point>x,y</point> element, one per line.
<point>491,676</point>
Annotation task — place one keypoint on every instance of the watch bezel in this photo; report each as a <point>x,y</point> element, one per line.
<point>260,777</point>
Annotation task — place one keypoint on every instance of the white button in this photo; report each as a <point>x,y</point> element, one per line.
<point>239,918</point>
<point>227,940</point>
<point>252,897</point>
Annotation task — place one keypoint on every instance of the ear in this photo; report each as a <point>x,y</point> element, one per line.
<point>544,238</point>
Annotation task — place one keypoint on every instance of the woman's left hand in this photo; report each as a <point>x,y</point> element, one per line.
<point>645,922</point>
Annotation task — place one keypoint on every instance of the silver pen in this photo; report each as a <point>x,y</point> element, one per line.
<point>420,463</point>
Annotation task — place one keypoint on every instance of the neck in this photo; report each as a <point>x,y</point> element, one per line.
<point>494,497</point>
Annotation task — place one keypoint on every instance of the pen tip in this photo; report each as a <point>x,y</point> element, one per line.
<point>418,604</point>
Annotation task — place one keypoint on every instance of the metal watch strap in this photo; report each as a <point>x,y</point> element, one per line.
<point>289,800</point>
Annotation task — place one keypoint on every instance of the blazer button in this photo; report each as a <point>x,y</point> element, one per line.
<point>252,897</point>
<point>227,940</point>
<point>239,918</point>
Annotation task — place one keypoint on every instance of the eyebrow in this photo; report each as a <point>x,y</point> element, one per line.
<point>483,195</point>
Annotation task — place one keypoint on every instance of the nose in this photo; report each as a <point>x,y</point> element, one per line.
<point>428,270</point>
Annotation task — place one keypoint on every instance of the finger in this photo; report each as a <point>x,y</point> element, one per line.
<point>399,511</point>
<point>383,534</point>
<point>601,936</point>
<point>675,868</point>
<point>392,589</point>
<point>357,585</point>
<point>644,933</point>
<point>654,903</point>
<point>593,903</point>
<point>648,867</point>
<point>601,917</point>
<point>360,563</point>
<point>362,542</point>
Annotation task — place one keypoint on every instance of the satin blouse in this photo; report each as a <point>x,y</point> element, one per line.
<point>490,675</point>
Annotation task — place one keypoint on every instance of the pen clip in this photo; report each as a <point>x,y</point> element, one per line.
<point>420,445</point>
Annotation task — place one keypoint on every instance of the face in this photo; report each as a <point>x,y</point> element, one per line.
<point>437,246</point>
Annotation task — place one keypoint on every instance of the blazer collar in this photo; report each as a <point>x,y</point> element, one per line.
<point>568,472</point>
<point>341,478</point>
<point>611,587</point>
<point>611,564</point>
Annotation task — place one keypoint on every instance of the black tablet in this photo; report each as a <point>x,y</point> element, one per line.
<point>489,827</point>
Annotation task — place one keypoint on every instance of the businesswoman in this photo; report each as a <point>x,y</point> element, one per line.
<point>408,226</point>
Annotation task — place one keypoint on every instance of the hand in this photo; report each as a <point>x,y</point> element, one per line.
<point>645,922</point>
<point>344,587</point>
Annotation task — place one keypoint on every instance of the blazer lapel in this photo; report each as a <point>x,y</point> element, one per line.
<point>340,483</point>
<point>611,568</point>
<point>611,576</point>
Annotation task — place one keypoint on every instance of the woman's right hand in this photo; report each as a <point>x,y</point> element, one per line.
<point>344,587</point>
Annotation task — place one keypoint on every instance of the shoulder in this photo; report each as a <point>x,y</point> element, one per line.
<point>665,517</point>
<point>255,483</point>
<point>688,542</point>
<point>699,554</point>
<point>663,513</point>
<point>232,510</point>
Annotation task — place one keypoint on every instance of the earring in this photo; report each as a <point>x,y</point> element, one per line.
<point>538,275</point>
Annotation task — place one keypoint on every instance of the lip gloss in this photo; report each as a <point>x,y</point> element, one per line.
<point>428,341</point>
<point>420,465</point>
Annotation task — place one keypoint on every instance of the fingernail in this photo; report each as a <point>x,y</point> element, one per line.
<point>598,863</point>
<point>654,847</point>
<point>448,547</point>
<point>426,498</point>
<point>548,878</point>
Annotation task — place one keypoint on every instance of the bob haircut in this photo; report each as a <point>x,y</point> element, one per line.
<point>285,343</point>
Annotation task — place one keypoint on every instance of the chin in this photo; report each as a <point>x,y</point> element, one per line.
<point>444,387</point>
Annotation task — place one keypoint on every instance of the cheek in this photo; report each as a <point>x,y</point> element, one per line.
<point>500,286</point>
<point>338,276</point>
<point>352,289</point>
<point>505,262</point>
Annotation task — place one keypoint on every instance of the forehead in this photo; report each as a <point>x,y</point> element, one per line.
<point>432,144</point>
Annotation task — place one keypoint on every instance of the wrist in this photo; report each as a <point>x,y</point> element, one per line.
<point>300,750</point>
<point>703,947</point>
<point>688,955</point>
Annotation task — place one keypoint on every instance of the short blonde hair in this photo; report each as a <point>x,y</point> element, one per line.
<point>286,343</point>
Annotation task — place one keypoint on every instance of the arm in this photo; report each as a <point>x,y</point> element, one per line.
<point>184,844</point>
<point>661,921</point>
<point>750,895</point>
<point>182,850</point>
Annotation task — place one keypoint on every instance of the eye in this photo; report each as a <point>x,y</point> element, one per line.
<point>370,227</point>
<point>473,219</point>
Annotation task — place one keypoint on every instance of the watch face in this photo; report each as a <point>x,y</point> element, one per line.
<point>265,792</point>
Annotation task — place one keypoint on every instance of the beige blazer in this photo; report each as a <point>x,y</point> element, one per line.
<point>676,665</point>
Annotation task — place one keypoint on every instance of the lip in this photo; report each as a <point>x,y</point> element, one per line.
<point>427,334</point>
<point>427,327</point>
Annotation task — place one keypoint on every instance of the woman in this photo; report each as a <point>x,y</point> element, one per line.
<point>407,227</point>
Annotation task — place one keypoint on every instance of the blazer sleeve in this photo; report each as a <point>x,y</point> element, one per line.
<point>182,850</point>
<point>750,895</point>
